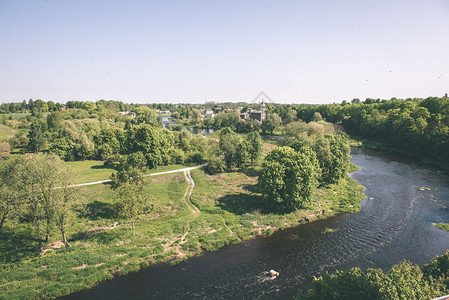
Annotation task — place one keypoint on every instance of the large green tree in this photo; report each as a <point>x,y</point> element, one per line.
<point>288,178</point>
<point>11,194</point>
<point>44,180</point>
<point>229,147</point>
<point>332,152</point>
<point>155,143</point>
<point>271,122</point>
<point>36,136</point>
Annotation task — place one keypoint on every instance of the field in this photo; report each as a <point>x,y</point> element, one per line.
<point>223,209</point>
<point>6,133</point>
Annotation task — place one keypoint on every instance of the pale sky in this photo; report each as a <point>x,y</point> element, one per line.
<point>225,50</point>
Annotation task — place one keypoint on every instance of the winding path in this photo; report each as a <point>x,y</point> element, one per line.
<point>153,174</point>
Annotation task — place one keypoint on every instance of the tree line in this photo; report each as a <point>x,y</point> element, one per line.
<point>419,126</point>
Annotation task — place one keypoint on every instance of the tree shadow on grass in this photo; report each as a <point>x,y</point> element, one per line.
<point>96,210</point>
<point>251,172</point>
<point>101,236</point>
<point>16,245</point>
<point>111,167</point>
<point>253,188</point>
<point>241,203</point>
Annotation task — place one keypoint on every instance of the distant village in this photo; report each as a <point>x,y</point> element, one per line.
<point>257,114</point>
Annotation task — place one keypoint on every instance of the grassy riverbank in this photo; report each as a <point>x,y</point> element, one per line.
<point>231,210</point>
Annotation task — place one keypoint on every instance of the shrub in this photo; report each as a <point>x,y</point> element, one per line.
<point>215,166</point>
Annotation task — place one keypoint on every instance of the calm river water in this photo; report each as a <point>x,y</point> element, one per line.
<point>395,223</point>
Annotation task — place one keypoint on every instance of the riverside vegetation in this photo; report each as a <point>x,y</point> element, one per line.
<point>137,221</point>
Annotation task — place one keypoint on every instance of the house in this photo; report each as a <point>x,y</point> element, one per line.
<point>258,115</point>
<point>127,113</point>
<point>209,113</point>
<point>244,115</point>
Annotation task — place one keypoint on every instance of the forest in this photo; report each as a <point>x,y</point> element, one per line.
<point>256,177</point>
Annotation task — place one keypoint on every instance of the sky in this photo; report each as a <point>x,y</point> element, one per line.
<point>172,51</point>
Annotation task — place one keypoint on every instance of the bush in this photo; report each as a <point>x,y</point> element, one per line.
<point>215,166</point>
<point>196,157</point>
<point>177,156</point>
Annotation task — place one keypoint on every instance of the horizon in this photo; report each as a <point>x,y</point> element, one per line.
<point>218,102</point>
<point>177,52</point>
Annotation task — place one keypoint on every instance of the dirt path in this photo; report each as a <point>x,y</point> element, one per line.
<point>191,185</point>
<point>154,174</point>
<point>230,230</point>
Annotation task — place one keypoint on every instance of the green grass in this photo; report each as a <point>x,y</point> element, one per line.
<point>17,115</point>
<point>6,133</point>
<point>442,226</point>
<point>231,207</point>
<point>90,170</point>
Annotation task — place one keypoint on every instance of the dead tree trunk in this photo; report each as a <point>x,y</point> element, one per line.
<point>64,239</point>
<point>47,237</point>
<point>2,221</point>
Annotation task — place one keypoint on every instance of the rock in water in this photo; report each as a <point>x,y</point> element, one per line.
<point>273,273</point>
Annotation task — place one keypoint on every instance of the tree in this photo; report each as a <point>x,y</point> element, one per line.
<point>332,153</point>
<point>339,161</point>
<point>288,178</point>
<point>317,117</point>
<point>54,120</point>
<point>271,122</point>
<point>40,179</point>
<point>153,142</point>
<point>215,166</point>
<point>36,136</point>
<point>11,195</point>
<point>254,146</point>
<point>290,116</point>
<point>131,169</point>
<point>146,115</point>
<point>128,185</point>
<point>129,201</point>
<point>242,154</point>
<point>196,115</point>
<point>229,144</point>
<point>64,196</point>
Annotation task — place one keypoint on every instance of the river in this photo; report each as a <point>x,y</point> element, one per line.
<point>395,223</point>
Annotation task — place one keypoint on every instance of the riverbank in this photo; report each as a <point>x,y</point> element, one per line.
<point>376,145</point>
<point>231,210</point>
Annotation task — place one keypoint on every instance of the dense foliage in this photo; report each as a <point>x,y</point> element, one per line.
<point>419,126</point>
<point>288,177</point>
<point>402,281</point>
<point>37,190</point>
